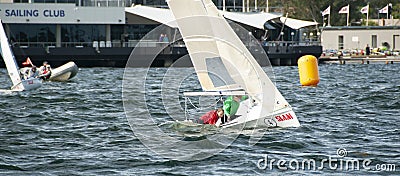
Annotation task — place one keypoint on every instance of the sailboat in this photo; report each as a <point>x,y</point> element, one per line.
<point>62,73</point>
<point>12,67</point>
<point>224,66</point>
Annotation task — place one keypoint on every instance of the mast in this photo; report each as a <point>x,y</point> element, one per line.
<point>221,60</point>
<point>9,57</point>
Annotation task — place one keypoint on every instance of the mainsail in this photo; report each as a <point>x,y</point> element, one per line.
<point>8,57</point>
<point>221,60</point>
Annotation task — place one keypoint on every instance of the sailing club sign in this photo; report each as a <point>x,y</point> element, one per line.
<point>37,13</point>
<point>34,13</point>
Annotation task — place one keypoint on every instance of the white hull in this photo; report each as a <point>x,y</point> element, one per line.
<point>252,118</point>
<point>64,72</point>
<point>29,84</point>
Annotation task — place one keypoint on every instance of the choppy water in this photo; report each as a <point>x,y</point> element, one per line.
<point>79,127</point>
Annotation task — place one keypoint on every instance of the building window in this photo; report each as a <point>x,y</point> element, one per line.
<point>374,41</point>
<point>396,42</point>
<point>20,1</point>
<point>37,35</point>
<point>341,42</point>
<point>137,32</point>
<point>83,35</point>
<point>66,1</point>
<point>156,3</point>
<point>44,1</point>
<point>50,1</point>
<point>118,36</point>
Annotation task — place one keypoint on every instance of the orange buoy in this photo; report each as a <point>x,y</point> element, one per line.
<point>308,70</point>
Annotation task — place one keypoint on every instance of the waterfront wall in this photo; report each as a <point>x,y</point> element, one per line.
<point>118,56</point>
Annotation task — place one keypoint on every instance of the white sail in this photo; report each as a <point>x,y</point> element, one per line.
<point>12,67</point>
<point>8,57</point>
<point>220,58</point>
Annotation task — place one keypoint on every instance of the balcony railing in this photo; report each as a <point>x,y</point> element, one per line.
<point>95,44</point>
<point>148,43</point>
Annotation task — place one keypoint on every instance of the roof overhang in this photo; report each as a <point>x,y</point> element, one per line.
<point>257,20</point>
<point>163,16</point>
<point>296,24</point>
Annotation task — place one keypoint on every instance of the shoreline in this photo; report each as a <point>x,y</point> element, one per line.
<point>360,59</point>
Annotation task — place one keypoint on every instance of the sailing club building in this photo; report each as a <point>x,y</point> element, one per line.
<point>104,32</point>
<point>357,37</point>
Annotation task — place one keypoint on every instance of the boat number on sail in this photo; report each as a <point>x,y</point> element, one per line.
<point>270,122</point>
<point>284,117</point>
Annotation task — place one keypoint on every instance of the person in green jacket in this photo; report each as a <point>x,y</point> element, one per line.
<point>231,105</point>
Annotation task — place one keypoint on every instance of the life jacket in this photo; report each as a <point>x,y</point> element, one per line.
<point>231,106</point>
<point>210,117</point>
<point>45,72</point>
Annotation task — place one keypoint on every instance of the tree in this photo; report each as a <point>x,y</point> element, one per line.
<point>396,11</point>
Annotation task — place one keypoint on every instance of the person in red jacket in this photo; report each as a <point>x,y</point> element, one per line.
<point>212,117</point>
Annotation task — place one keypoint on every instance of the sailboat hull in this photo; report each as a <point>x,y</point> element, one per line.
<point>249,116</point>
<point>29,84</point>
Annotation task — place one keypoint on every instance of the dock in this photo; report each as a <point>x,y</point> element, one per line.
<point>360,60</point>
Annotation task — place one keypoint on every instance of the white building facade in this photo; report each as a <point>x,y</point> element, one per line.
<point>357,37</point>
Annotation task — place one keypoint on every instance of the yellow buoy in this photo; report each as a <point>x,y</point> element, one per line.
<point>308,70</point>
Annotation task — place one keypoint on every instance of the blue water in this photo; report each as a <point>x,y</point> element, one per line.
<point>80,127</point>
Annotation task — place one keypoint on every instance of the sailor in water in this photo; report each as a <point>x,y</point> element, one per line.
<point>231,105</point>
<point>212,117</point>
<point>45,71</point>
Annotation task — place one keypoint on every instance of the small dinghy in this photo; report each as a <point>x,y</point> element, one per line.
<point>12,67</point>
<point>64,72</point>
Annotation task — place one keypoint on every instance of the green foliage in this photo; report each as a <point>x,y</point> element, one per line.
<point>396,11</point>
<point>370,23</point>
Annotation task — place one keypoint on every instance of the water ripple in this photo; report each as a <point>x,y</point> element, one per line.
<point>79,127</point>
